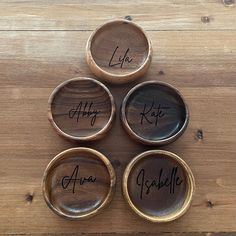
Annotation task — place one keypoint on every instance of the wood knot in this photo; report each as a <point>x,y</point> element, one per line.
<point>161,72</point>
<point>199,134</point>
<point>76,71</point>
<point>228,2</point>
<point>210,204</point>
<point>205,19</point>
<point>29,197</point>
<point>128,18</point>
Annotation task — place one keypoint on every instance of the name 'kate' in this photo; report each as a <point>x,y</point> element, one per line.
<point>152,114</point>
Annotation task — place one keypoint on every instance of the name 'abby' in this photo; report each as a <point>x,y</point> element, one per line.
<point>152,114</point>
<point>84,110</point>
<point>171,181</point>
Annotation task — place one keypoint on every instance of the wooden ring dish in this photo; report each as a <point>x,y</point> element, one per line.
<point>154,113</point>
<point>119,51</point>
<point>78,183</point>
<point>81,109</point>
<point>158,186</point>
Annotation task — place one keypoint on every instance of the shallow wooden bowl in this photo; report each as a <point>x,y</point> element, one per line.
<point>81,109</point>
<point>119,51</point>
<point>154,113</point>
<point>78,183</point>
<point>158,185</point>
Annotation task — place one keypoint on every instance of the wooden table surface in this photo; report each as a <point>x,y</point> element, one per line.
<point>42,43</point>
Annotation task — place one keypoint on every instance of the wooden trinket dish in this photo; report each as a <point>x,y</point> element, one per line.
<point>154,113</point>
<point>158,186</point>
<point>81,109</point>
<point>78,183</point>
<point>118,51</point>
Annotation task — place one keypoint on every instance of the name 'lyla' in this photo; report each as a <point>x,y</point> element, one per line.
<point>121,59</point>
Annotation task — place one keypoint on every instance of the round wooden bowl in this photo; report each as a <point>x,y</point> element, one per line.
<point>154,113</point>
<point>158,186</point>
<point>118,51</point>
<point>78,183</point>
<point>81,109</point>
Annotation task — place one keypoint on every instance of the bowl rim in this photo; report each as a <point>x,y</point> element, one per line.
<point>94,136</point>
<point>63,155</point>
<point>109,76</point>
<point>178,212</point>
<point>137,137</point>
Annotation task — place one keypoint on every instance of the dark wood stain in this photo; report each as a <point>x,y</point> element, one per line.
<point>158,202</point>
<point>158,185</point>
<point>81,108</point>
<point>154,113</point>
<point>119,51</point>
<point>77,183</point>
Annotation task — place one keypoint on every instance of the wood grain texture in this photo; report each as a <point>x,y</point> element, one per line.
<point>158,186</point>
<point>119,52</point>
<point>154,113</point>
<point>199,59</point>
<point>87,15</point>
<point>40,47</point>
<point>81,109</point>
<point>79,183</point>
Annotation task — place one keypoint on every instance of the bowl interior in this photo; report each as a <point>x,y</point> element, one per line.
<point>155,112</point>
<point>77,184</point>
<point>81,108</point>
<point>158,186</point>
<point>119,47</point>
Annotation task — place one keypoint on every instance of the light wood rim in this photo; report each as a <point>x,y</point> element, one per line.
<point>174,215</point>
<point>147,141</point>
<point>109,196</point>
<point>111,77</point>
<point>95,136</point>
